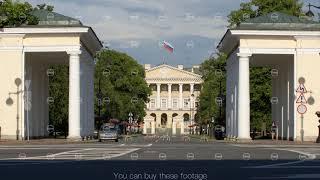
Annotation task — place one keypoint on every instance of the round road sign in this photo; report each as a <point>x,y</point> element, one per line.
<point>302,109</point>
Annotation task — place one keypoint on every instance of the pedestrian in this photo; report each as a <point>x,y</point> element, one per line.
<point>254,133</point>
<point>274,131</point>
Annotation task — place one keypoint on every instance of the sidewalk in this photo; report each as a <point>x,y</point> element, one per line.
<point>275,142</point>
<point>45,142</point>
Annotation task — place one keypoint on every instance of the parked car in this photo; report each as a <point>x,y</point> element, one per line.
<point>108,132</point>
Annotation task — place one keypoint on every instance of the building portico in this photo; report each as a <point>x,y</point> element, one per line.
<point>284,44</point>
<point>27,54</point>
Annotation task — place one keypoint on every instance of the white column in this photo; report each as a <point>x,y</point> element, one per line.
<point>180,96</point>
<point>174,126</point>
<point>91,97</point>
<point>192,103</point>
<point>191,88</point>
<point>148,104</point>
<point>83,94</point>
<point>158,96</point>
<point>74,95</point>
<point>182,126</point>
<point>244,98</point>
<point>145,127</point>
<point>169,96</point>
<point>153,127</point>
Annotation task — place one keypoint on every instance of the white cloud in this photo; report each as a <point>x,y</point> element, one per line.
<point>141,19</point>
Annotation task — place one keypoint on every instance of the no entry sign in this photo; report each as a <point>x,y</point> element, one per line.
<point>302,109</point>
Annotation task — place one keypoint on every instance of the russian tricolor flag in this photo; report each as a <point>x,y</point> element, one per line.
<point>168,46</point>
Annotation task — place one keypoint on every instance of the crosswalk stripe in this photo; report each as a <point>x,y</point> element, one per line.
<point>82,154</point>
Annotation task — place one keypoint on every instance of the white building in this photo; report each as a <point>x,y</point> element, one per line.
<point>26,54</point>
<point>290,46</point>
<point>174,99</point>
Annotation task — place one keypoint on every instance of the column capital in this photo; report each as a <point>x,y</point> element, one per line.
<point>169,84</point>
<point>244,55</point>
<point>74,52</point>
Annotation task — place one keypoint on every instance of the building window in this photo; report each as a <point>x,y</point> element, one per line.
<point>197,104</point>
<point>197,87</point>
<point>186,103</point>
<point>163,103</point>
<point>164,87</point>
<point>175,87</point>
<point>175,103</point>
<point>153,87</point>
<point>152,103</point>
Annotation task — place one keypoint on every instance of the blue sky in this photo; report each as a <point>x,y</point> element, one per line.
<point>193,27</point>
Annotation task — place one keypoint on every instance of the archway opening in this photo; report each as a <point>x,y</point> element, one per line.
<point>164,119</point>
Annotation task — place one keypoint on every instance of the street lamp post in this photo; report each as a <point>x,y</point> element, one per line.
<point>191,108</point>
<point>130,120</point>
<point>220,104</point>
<point>9,102</point>
<point>310,13</point>
<point>99,96</point>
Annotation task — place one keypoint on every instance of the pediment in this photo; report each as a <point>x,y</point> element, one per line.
<point>168,72</point>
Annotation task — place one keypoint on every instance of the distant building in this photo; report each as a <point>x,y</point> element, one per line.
<point>174,99</point>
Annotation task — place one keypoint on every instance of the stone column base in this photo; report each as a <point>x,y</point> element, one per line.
<point>75,138</point>
<point>244,140</point>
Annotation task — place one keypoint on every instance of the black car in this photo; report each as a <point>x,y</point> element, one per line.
<point>219,132</point>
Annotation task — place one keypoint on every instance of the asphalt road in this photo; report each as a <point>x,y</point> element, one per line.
<point>159,158</point>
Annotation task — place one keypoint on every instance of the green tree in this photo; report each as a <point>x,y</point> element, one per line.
<point>15,13</point>
<point>58,91</point>
<point>44,7</point>
<point>122,82</point>
<point>256,8</point>
<point>213,72</point>
<point>260,78</point>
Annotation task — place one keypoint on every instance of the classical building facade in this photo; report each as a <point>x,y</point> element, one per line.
<point>174,99</point>
<point>27,53</point>
<point>290,46</point>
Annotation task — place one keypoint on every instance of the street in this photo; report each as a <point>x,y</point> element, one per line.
<point>160,158</point>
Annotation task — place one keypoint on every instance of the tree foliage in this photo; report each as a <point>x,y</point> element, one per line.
<point>45,7</point>
<point>59,92</point>
<point>256,8</point>
<point>122,82</point>
<point>15,13</point>
<point>213,71</point>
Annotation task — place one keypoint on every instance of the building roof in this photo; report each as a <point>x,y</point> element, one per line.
<point>193,69</point>
<point>279,21</point>
<point>47,18</point>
